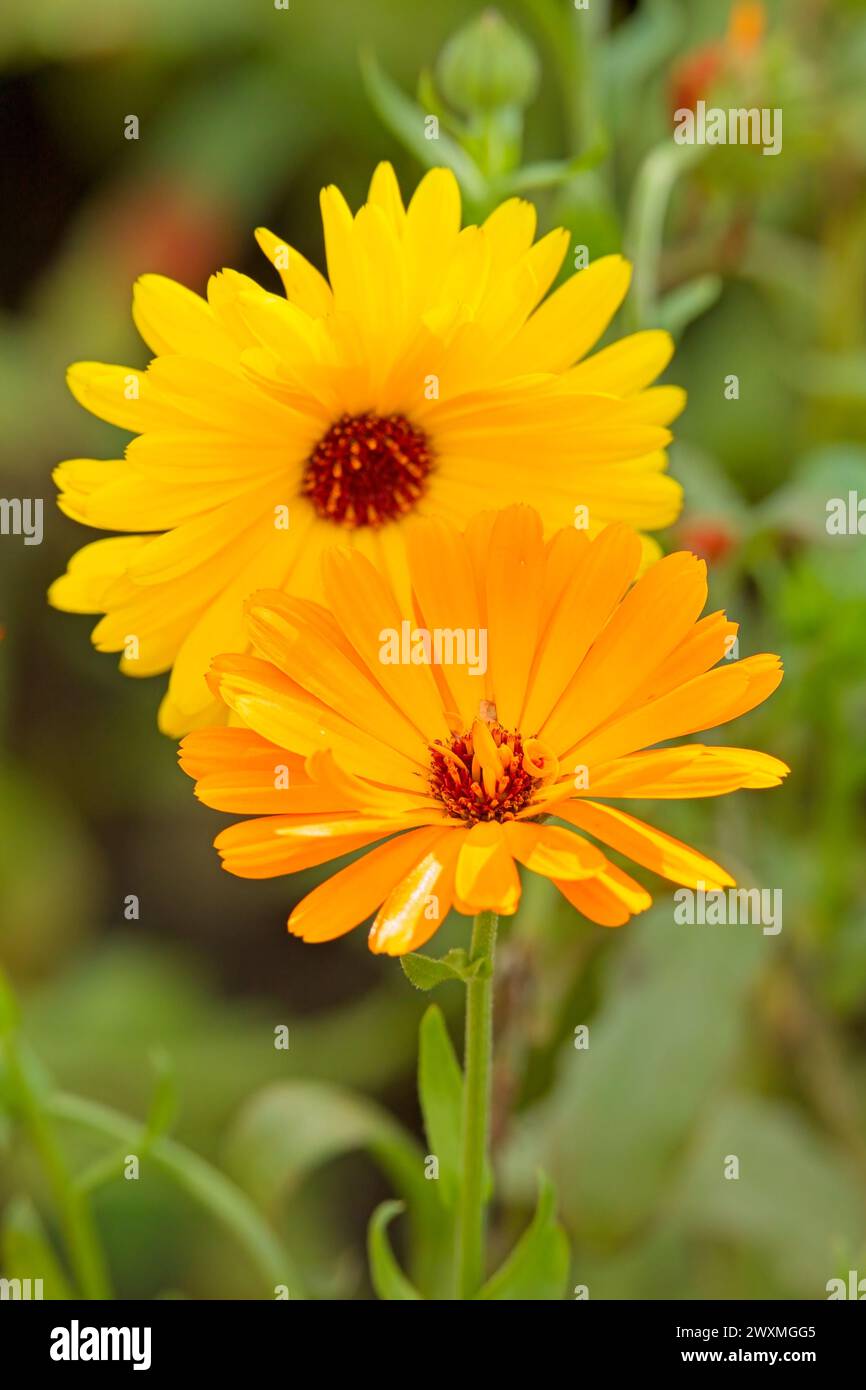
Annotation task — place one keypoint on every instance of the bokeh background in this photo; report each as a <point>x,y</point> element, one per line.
<point>705,1042</point>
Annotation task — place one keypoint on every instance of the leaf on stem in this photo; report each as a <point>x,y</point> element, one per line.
<point>389,1281</point>
<point>440,1089</point>
<point>537,1268</point>
<point>425,972</point>
<point>406,120</point>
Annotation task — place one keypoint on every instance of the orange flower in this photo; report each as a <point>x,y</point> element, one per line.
<point>352,737</point>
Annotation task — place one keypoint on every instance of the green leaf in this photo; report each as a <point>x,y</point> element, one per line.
<point>405,119</point>
<point>552,173</point>
<point>425,972</point>
<point>290,1129</point>
<point>164,1105</point>
<point>389,1281</point>
<point>440,1088</point>
<point>537,1267</point>
<point>795,1198</point>
<point>195,1176</point>
<point>688,302</point>
<point>612,1128</point>
<point>27,1253</point>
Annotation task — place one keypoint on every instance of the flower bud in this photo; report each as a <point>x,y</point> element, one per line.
<point>488,65</point>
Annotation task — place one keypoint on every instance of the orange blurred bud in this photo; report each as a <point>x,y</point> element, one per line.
<point>746,26</point>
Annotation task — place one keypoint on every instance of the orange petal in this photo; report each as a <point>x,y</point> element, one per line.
<point>695,769</point>
<point>515,578</point>
<point>610,899</point>
<point>652,619</point>
<point>552,851</point>
<point>601,575</point>
<point>365,607</point>
<point>714,698</point>
<point>645,845</point>
<point>487,878</point>
<point>353,893</point>
<point>418,906</point>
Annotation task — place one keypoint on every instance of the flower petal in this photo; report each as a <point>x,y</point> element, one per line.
<point>353,893</point>
<point>419,904</point>
<point>645,845</point>
<point>487,879</point>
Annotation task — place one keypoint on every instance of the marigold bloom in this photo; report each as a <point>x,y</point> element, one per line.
<point>445,773</point>
<point>426,377</point>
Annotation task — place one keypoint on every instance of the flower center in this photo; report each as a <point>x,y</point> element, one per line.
<point>367,469</point>
<point>488,773</point>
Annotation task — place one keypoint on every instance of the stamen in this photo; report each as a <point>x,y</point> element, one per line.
<point>488,773</point>
<point>367,469</point>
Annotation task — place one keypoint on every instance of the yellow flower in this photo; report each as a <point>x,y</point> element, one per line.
<point>423,378</point>
<point>444,773</point>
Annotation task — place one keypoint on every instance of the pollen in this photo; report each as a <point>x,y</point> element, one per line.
<point>488,773</point>
<point>367,469</point>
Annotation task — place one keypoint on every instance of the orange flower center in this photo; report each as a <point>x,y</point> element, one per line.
<point>488,773</point>
<point>367,469</point>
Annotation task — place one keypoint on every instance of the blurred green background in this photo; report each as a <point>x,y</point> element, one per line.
<point>704,1042</point>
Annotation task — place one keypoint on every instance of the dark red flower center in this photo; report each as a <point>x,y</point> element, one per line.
<point>367,469</point>
<point>488,773</point>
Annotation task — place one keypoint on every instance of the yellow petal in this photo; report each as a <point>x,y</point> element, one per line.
<point>385,194</point>
<point>91,571</point>
<point>304,285</point>
<point>626,366</point>
<point>574,317</point>
<point>122,396</point>
<point>172,319</point>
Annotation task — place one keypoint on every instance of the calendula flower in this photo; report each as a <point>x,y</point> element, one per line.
<point>426,376</point>
<point>358,731</point>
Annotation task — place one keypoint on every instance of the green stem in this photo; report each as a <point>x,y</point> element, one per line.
<point>476,1111</point>
<point>655,183</point>
<point>206,1185</point>
<point>79,1231</point>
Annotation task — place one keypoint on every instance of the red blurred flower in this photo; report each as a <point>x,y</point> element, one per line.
<point>711,540</point>
<point>696,73</point>
<point>168,229</point>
